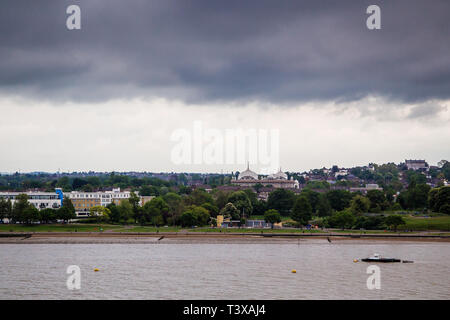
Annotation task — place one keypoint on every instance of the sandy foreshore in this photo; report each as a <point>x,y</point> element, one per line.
<point>191,237</point>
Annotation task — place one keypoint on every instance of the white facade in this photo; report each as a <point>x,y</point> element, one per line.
<point>250,178</point>
<point>105,197</point>
<point>41,200</point>
<point>416,165</point>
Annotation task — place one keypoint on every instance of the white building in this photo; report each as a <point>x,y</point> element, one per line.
<point>341,172</point>
<point>84,201</point>
<point>41,200</point>
<point>249,178</point>
<point>416,165</point>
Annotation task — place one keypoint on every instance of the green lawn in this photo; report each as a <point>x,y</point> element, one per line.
<point>441,223</point>
<point>414,223</point>
<point>72,227</point>
<point>148,229</point>
<point>244,230</point>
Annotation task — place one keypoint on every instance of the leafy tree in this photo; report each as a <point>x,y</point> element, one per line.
<point>446,169</point>
<point>20,205</point>
<point>369,223</point>
<point>202,215</point>
<point>114,214</point>
<point>156,211</point>
<point>176,207</point>
<point>64,183</point>
<point>415,177</point>
<point>439,199</point>
<point>188,219</point>
<point>301,212</point>
<point>281,200</point>
<point>221,198</point>
<point>125,210</point>
<point>67,211</point>
<point>47,215</point>
<point>260,207</point>
<point>30,214</point>
<point>313,198</point>
<point>5,208</point>
<point>242,202</point>
<point>394,220</point>
<point>195,215</point>
<point>320,185</point>
<point>100,212</point>
<point>339,199</point>
<point>323,206</point>
<point>87,188</point>
<point>342,219</point>
<point>417,196</point>
<point>148,190</point>
<point>163,191</point>
<point>252,196</point>
<point>135,204</point>
<point>359,204</point>
<point>94,181</point>
<point>200,196</point>
<point>78,183</point>
<point>272,216</point>
<point>230,211</point>
<point>184,190</point>
<point>212,209</point>
<point>377,200</point>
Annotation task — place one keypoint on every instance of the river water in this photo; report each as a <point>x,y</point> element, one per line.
<point>223,271</point>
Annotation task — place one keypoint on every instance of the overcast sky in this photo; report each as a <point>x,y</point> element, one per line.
<point>111,95</point>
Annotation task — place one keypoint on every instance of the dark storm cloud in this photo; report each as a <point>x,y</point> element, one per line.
<point>277,51</point>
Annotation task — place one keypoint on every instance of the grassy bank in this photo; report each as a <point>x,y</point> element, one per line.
<point>57,227</point>
<point>147,229</point>
<point>415,223</point>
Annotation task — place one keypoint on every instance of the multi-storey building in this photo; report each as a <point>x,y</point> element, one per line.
<point>416,165</point>
<point>41,200</point>
<point>249,178</point>
<point>84,201</point>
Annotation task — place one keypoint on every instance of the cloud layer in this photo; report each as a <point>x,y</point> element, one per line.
<point>203,51</point>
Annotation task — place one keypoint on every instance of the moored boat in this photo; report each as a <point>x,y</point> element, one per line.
<point>378,258</point>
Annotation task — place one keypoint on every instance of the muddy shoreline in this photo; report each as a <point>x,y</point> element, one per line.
<point>191,237</point>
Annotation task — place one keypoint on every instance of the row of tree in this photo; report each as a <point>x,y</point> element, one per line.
<point>24,212</point>
<point>200,207</point>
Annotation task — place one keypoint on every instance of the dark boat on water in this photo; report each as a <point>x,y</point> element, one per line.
<point>378,258</point>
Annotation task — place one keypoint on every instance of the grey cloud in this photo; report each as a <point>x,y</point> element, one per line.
<point>211,51</point>
<point>427,110</point>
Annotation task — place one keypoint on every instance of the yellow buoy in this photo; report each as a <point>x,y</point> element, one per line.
<point>355,260</point>
<point>294,271</point>
<point>96,270</point>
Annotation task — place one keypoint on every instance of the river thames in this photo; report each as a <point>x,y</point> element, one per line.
<point>224,270</point>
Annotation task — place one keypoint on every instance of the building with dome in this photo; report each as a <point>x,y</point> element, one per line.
<point>249,178</point>
<point>248,174</point>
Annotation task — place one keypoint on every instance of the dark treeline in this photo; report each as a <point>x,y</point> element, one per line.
<point>24,212</point>
<point>175,203</point>
<point>147,185</point>
<point>334,208</point>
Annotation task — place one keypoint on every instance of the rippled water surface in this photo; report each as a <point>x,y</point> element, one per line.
<point>222,271</point>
